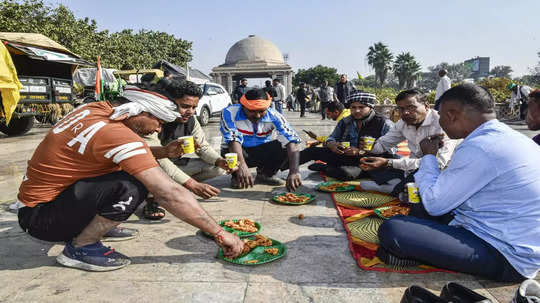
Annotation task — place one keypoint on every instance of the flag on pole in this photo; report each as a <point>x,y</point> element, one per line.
<point>99,84</point>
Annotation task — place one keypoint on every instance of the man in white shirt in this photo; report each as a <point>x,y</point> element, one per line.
<point>417,122</point>
<point>520,97</point>
<point>280,95</point>
<point>444,85</point>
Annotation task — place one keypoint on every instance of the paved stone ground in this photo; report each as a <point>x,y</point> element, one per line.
<point>173,262</point>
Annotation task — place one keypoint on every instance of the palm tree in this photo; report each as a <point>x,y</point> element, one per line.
<point>380,59</point>
<point>406,69</point>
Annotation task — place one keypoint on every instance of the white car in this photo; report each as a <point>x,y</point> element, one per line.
<point>215,98</point>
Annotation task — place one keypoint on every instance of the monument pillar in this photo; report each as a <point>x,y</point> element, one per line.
<point>229,83</point>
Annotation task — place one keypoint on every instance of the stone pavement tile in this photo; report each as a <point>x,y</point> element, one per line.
<point>504,292</point>
<point>97,288</point>
<point>343,292</point>
<point>265,292</point>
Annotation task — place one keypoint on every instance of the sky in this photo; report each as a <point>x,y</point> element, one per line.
<point>337,33</point>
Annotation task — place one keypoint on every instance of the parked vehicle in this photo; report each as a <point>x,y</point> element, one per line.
<point>45,70</point>
<point>215,98</point>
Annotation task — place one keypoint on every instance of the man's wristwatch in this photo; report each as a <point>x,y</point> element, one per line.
<point>390,163</point>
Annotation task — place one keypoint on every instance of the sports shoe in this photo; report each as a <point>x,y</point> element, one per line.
<point>266,180</point>
<point>417,294</point>
<point>457,293</point>
<point>93,257</point>
<point>390,259</point>
<point>120,234</point>
<point>317,167</point>
<point>528,292</point>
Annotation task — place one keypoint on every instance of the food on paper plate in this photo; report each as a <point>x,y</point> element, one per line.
<point>246,225</point>
<point>273,251</point>
<point>259,240</point>
<point>394,211</point>
<point>292,198</point>
<point>334,186</point>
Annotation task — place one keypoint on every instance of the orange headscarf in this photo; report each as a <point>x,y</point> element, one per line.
<point>258,104</point>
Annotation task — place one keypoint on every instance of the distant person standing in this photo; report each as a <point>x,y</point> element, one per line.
<point>520,96</point>
<point>240,90</point>
<point>326,96</point>
<point>280,95</point>
<point>271,91</point>
<point>533,113</point>
<point>301,98</point>
<point>444,85</point>
<point>344,88</point>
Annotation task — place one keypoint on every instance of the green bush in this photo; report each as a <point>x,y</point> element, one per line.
<point>498,87</point>
<point>381,93</point>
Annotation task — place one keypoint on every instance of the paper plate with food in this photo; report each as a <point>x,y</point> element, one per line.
<point>258,250</point>
<point>293,198</point>
<point>388,212</point>
<point>335,186</point>
<point>239,227</point>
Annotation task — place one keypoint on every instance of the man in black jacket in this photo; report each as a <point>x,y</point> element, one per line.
<point>343,162</point>
<point>344,88</point>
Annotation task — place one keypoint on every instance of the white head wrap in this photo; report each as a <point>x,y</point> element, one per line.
<point>146,101</point>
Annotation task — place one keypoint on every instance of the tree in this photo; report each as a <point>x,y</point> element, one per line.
<point>121,50</point>
<point>457,72</point>
<point>380,59</point>
<point>315,76</point>
<point>501,71</point>
<point>406,69</point>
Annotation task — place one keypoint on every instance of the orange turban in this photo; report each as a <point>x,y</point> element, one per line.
<point>256,99</point>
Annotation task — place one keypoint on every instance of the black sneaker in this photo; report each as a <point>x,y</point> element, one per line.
<point>120,234</point>
<point>93,257</point>
<point>417,294</point>
<point>528,292</point>
<point>317,167</point>
<point>389,259</point>
<point>457,293</point>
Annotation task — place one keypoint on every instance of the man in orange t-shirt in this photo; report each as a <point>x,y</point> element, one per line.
<point>93,169</point>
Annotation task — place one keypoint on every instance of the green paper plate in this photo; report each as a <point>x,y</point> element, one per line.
<point>311,199</point>
<point>257,254</point>
<point>378,211</point>
<point>239,233</point>
<point>339,189</point>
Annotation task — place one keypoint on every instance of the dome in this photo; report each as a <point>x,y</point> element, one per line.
<point>253,49</point>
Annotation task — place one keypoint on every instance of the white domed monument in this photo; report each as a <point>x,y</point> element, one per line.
<point>253,57</point>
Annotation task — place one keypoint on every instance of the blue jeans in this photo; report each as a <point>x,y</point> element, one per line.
<point>278,107</point>
<point>432,241</point>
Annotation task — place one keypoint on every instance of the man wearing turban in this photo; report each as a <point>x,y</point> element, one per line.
<point>247,130</point>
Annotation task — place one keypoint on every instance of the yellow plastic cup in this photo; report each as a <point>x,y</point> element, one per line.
<point>232,160</point>
<point>414,195</point>
<point>368,143</point>
<point>345,144</point>
<point>188,145</point>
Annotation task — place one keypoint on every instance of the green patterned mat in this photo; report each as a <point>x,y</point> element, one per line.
<point>366,229</point>
<point>362,199</point>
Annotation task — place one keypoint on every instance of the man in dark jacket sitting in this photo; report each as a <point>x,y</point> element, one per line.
<point>342,161</point>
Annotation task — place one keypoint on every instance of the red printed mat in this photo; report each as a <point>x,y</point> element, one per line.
<point>353,215</point>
